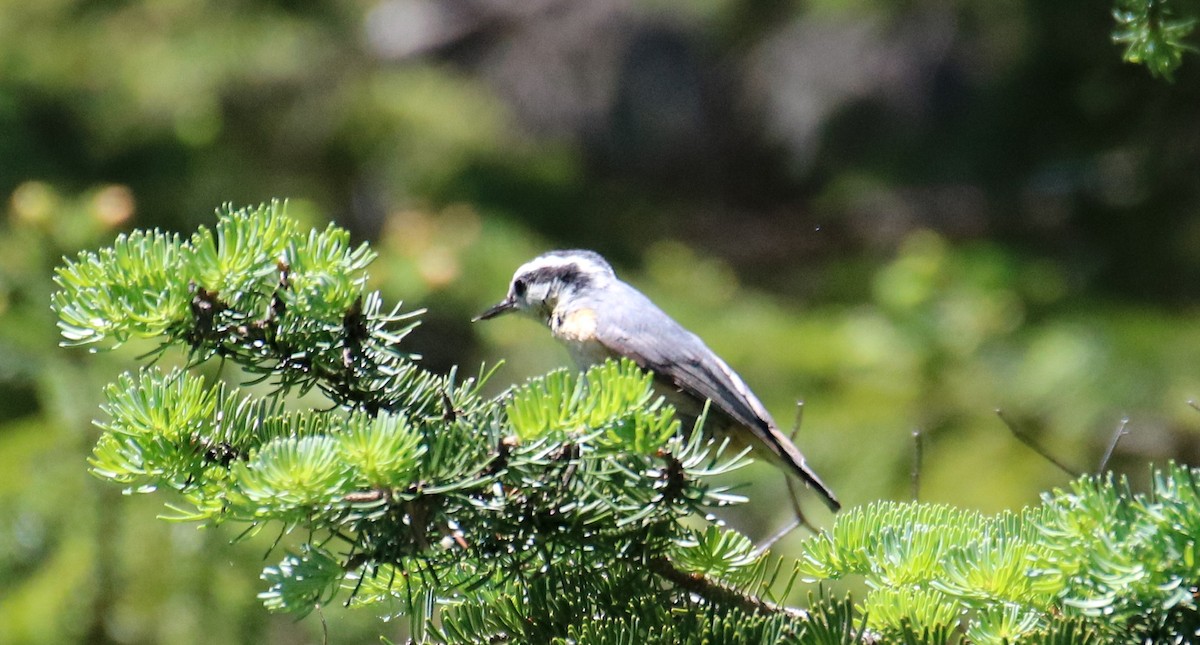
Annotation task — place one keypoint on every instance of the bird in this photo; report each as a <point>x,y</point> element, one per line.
<point>597,316</point>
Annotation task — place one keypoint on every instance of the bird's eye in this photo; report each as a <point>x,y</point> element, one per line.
<point>519,288</point>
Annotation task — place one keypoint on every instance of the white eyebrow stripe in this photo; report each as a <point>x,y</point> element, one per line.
<point>588,263</point>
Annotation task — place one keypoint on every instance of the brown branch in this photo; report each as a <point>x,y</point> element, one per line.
<point>717,593</point>
<point>1035,446</point>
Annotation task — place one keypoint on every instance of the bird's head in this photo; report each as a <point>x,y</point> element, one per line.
<point>541,284</point>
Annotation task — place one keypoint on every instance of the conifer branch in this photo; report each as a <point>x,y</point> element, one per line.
<point>1153,34</point>
<point>555,511</point>
<point>717,593</point>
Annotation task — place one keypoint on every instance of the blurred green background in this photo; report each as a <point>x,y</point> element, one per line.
<point>908,214</point>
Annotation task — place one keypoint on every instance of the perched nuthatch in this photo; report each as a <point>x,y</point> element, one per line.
<point>597,316</point>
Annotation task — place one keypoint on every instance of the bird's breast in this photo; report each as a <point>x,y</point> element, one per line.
<point>578,325</point>
<point>576,330</point>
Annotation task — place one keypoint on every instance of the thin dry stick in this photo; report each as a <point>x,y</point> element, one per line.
<point>1112,443</point>
<point>797,521</point>
<point>918,456</point>
<point>799,419</point>
<point>324,625</point>
<point>793,496</point>
<point>778,535</point>
<point>1033,445</point>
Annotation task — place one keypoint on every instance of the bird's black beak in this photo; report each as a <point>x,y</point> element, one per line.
<point>502,307</point>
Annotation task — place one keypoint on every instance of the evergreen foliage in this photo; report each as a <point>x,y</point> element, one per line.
<point>564,510</point>
<point>514,516</point>
<point>1153,34</point>
<point>1095,562</point>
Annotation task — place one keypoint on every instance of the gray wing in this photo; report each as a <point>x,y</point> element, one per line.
<point>630,325</point>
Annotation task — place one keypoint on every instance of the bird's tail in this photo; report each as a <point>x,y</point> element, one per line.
<point>794,461</point>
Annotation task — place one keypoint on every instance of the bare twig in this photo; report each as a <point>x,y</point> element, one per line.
<point>793,496</point>
<point>324,625</point>
<point>918,458</point>
<point>1034,446</point>
<point>799,419</point>
<point>798,521</point>
<point>1112,443</point>
<point>776,536</point>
